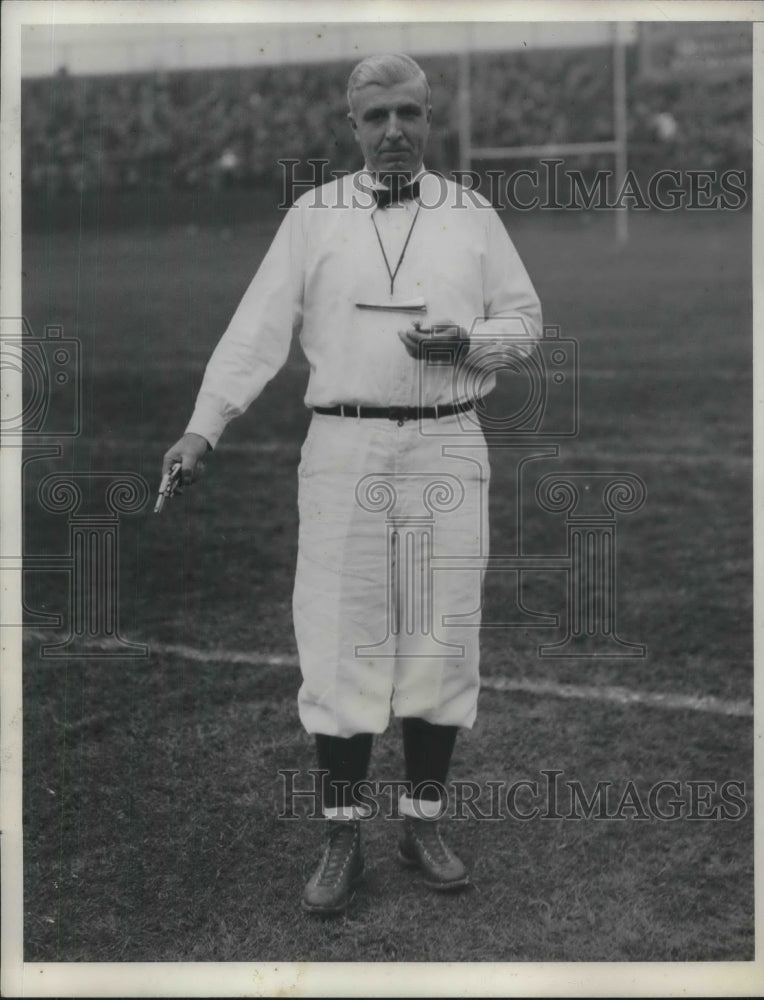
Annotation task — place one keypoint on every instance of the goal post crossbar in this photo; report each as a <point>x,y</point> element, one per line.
<point>552,149</point>
<point>617,147</point>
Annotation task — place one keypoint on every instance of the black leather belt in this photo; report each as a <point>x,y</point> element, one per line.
<point>398,413</point>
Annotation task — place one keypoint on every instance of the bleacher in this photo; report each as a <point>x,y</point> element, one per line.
<point>228,128</point>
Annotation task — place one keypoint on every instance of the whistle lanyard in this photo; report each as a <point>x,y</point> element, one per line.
<point>392,274</point>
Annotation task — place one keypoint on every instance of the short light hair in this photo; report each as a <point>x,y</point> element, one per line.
<point>385,71</point>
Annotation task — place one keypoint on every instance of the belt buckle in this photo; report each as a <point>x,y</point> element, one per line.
<point>399,413</point>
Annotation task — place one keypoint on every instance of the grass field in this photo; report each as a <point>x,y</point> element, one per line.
<point>151,786</point>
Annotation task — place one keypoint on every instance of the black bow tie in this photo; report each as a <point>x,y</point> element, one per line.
<point>395,194</point>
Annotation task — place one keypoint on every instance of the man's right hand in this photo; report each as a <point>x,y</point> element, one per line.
<point>188,451</point>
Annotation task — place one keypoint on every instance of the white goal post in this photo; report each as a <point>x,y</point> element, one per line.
<point>617,146</point>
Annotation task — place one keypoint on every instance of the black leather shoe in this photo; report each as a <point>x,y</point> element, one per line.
<point>330,887</point>
<point>422,847</point>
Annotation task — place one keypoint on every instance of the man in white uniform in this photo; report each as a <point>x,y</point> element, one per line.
<point>389,483</point>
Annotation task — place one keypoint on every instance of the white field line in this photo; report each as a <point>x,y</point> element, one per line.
<point>622,696</point>
<point>611,694</point>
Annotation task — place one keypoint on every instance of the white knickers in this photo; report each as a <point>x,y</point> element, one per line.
<point>388,591</point>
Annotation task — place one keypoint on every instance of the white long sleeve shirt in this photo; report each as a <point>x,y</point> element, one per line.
<point>326,258</point>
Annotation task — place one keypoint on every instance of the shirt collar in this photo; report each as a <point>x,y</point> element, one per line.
<point>366,182</point>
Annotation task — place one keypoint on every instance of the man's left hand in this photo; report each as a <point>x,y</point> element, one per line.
<point>443,333</point>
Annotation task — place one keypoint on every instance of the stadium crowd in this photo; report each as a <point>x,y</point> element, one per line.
<point>229,127</point>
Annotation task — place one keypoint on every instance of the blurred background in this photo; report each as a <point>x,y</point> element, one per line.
<point>110,109</point>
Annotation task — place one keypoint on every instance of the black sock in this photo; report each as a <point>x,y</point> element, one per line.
<point>347,761</point>
<point>427,748</point>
